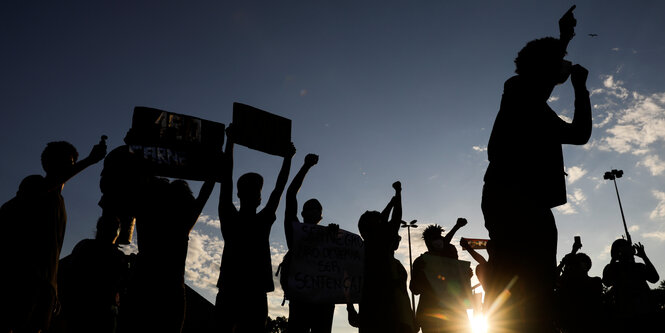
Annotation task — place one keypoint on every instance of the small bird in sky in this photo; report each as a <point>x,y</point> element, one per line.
<point>593,35</point>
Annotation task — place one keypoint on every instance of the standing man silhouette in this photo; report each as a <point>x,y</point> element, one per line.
<point>525,179</point>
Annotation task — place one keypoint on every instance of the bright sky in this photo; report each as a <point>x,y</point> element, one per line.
<point>381,90</point>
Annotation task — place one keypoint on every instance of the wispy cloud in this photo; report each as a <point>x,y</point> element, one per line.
<point>634,122</point>
<point>659,212</point>
<point>553,99</point>
<point>659,235</point>
<point>575,173</point>
<point>479,149</point>
<point>576,200</point>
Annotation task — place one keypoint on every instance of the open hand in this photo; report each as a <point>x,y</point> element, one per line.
<point>639,250</point>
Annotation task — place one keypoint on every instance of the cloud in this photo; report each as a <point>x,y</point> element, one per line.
<point>634,122</point>
<point>634,228</point>
<point>479,149</point>
<point>576,199</point>
<point>659,235</point>
<point>606,253</point>
<point>615,49</point>
<point>553,99</point>
<point>653,163</point>
<point>275,298</point>
<point>204,255</point>
<point>659,212</point>
<point>208,220</point>
<point>575,173</point>
<point>566,118</point>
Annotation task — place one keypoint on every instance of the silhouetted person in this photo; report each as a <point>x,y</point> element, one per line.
<point>631,309</point>
<point>525,179</point>
<point>385,306</point>
<point>168,213</point>
<point>305,316</point>
<point>90,281</point>
<point>579,296</point>
<point>37,211</point>
<point>436,314</point>
<point>246,272</point>
<point>165,213</point>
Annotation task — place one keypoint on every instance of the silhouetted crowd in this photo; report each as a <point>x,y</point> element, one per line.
<point>97,288</point>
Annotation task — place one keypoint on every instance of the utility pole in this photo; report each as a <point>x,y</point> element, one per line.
<point>408,227</point>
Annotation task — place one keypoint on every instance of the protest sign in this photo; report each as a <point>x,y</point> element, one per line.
<point>176,145</point>
<point>449,279</point>
<point>324,267</point>
<point>476,243</point>
<point>261,130</point>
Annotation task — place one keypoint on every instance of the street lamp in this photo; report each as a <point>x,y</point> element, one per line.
<point>408,227</point>
<point>613,175</point>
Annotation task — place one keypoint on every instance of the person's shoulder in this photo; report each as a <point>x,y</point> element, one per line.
<point>513,82</point>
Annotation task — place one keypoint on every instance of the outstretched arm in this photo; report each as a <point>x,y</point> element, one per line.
<point>449,236</point>
<point>97,154</point>
<point>282,178</point>
<point>291,209</point>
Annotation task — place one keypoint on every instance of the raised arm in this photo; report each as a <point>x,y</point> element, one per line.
<point>97,154</point>
<point>651,273</point>
<point>291,209</point>
<point>282,178</point>
<point>449,236</point>
<point>567,25</point>
<point>396,218</point>
<point>226,180</point>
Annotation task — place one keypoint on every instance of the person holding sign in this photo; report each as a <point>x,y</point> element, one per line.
<point>385,306</point>
<point>434,273</point>
<point>305,316</point>
<point>246,272</point>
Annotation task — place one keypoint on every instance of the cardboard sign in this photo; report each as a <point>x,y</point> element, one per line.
<point>325,267</point>
<point>261,130</point>
<point>176,145</point>
<point>449,278</point>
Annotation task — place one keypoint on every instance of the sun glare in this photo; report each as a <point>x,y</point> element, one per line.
<point>478,322</point>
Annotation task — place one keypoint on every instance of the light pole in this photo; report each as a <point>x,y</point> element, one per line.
<point>408,227</point>
<point>613,175</point>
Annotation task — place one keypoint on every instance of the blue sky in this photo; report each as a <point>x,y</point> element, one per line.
<point>381,90</point>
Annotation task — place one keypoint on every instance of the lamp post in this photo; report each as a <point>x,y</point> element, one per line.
<point>408,227</point>
<point>613,175</point>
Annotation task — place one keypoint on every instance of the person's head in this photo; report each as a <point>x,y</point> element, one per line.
<point>542,60</point>
<point>30,184</point>
<point>123,180</point>
<point>58,157</point>
<point>583,261</point>
<point>368,223</point>
<point>249,190</point>
<point>181,193</point>
<point>433,238</point>
<point>621,250</point>
<point>108,229</point>
<point>312,211</point>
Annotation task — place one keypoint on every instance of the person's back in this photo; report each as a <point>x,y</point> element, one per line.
<point>579,296</point>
